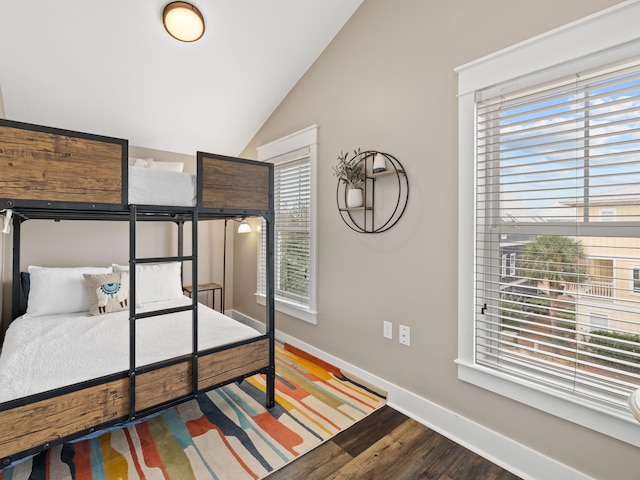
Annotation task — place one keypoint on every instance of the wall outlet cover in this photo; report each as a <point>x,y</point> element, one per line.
<point>405,335</point>
<point>387,331</point>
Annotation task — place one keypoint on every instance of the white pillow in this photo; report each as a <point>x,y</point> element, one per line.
<point>171,166</point>
<point>59,290</point>
<point>140,162</point>
<point>156,282</point>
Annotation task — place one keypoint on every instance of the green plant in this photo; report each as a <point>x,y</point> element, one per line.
<point>558,259</point>
<point>350,170</point>
<point>615,345</point>
<point>510,315</point>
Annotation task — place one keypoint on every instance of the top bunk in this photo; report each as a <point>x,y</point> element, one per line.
<point>52,173</point>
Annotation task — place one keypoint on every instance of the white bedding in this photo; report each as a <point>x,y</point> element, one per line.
<point>161,187</point>
<point>45,352</point>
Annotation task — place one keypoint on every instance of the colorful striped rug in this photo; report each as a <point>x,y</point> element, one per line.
<point>224,435</point>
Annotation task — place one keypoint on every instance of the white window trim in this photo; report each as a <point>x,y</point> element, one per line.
<point>512,265</point>
<point>305,138</point>
<point>599,39</point>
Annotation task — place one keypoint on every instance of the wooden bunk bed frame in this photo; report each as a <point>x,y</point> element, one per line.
<point>50,173</point>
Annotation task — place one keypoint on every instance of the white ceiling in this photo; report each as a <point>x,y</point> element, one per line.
<point>108,67</point>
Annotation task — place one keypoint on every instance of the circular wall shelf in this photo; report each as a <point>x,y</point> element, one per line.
<point>385,194</point>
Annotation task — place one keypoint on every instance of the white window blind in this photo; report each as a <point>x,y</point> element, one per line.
<point>558,194</point>
<point>292,201</point>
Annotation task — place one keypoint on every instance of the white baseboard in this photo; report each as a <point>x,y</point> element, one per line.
<point>515,457</point>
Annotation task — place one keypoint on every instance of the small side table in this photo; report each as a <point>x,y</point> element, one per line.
<point>206,287</point>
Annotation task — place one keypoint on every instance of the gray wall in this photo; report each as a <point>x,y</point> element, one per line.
<point>1,104</point>
<point>387,83</point>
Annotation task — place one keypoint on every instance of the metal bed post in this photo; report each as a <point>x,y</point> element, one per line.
<point>133,217</point>
<point>270,220</point>
<point>194,298</point>
<point>15,291</point>
<point>224,267</point>
<point>271,375</point>
<point>180,224</point>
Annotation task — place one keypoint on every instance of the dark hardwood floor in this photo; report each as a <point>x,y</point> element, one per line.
<point>389,445</point>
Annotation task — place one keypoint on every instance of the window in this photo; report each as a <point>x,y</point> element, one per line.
<point>557,151</point>
<point>608,214</point>
<point>598,320</point>
<point>636,280</point>
<point>549,157</point>
<point>600,276</point>
<point>294,159</point>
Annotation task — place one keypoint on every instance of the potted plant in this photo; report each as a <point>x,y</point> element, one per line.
<point>351,172</point>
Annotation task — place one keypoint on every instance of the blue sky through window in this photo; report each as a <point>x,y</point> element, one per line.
<point>582,141</point>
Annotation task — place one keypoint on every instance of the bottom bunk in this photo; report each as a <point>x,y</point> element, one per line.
<point>40,424</point>
<point>66,375</point>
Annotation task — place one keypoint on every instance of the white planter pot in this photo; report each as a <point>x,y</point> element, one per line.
<point>354,198</point>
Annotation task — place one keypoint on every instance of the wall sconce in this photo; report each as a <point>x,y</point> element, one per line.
<point>183,21</point>
<point>244,227</point>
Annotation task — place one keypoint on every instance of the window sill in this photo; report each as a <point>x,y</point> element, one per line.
<point>586,413</point>
<point>291,309</point>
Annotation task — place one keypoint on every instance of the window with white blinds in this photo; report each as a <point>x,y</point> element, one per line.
<point>292,202</point>
<point>294,159</point>
<point>558,203</point>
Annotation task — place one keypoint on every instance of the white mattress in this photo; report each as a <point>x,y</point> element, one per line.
<point>161,187</point>
<point>45,352</point>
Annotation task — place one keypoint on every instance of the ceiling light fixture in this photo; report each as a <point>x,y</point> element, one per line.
<point>183,21</point>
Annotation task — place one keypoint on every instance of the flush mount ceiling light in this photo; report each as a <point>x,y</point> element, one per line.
<point>183,21</point>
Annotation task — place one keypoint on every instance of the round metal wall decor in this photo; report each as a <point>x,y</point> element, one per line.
<point>385,192</point>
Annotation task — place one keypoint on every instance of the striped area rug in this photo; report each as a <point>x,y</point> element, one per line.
<point>226,434</point>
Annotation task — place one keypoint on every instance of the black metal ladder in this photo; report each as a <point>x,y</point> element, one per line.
<point>178,215</point>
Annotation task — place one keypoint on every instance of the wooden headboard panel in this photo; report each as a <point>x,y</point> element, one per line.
<point>233,183</point>
<point>53,165</point>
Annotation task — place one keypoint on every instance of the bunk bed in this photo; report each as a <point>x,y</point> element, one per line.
<point>50,173</point>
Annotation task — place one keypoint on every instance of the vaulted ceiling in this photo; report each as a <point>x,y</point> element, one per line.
<point>108,67</point>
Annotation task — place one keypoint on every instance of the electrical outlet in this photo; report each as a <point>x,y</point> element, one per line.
<point>388,330</point>
<point>405,335</point>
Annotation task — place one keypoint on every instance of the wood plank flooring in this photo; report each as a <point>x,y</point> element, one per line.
<point>389,445</point>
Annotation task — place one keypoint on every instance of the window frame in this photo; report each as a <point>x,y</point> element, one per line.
<point>594,41</point>
<point>275,152</point>
<point>635,283</point>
